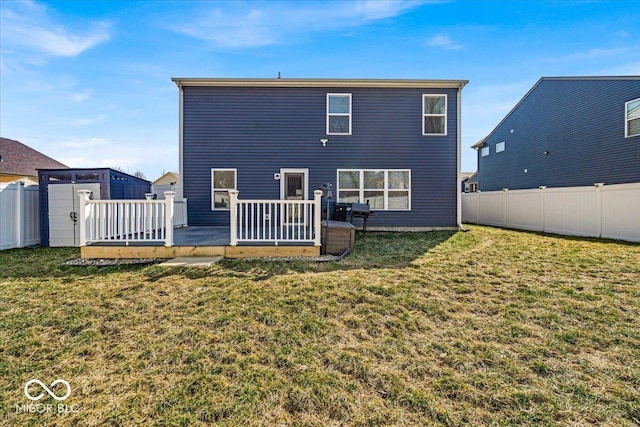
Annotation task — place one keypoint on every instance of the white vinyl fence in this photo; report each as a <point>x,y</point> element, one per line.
<point>607,211</point>
<point>19,215</point>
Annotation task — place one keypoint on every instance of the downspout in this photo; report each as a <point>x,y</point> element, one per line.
<point>180,195</point>
<point>459,160</point>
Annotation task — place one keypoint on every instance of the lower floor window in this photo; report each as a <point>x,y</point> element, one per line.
<point>222,181</point>
<point>388,189</point>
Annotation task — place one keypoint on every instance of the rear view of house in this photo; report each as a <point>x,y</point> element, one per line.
<point>394,144</point>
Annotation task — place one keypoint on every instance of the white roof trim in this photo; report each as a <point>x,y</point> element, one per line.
<point>385,83</point>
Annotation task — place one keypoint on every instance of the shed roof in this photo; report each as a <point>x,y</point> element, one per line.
<point>19,159</point>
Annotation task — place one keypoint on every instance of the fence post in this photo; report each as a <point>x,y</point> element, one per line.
<point>598,186</point>
<point>84,199</point>
<point>19,225</point>
<point>542,214</point>
<point>168,217</point>
<point>504,206</point>
<point>317,220</point>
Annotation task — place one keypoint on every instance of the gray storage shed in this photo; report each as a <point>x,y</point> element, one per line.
<point>59,200</point>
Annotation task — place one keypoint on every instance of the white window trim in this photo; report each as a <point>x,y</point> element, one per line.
<point>350,114</point>
<point>424,114</point>
<point>304,171</point>
<point>484,151</point>
<point>627,119</point>
<point>386,189</point>
<point>504,146</point>
<point>213,189</point>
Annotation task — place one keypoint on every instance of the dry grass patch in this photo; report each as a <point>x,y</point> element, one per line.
<point>487,327</point>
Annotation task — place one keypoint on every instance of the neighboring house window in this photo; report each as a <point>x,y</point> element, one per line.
<point>632,109</point>
<point>382,189</point>
<point>339,114</point>
<point>222,180</point>
<point>500,147</point>
<point>484,152</point>
<point>434,112</point>
<point>473,187</point>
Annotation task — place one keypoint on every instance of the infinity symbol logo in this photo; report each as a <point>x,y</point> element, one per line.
<point>47,389</point>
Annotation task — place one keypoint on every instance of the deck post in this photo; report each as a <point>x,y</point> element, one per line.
<point>233,217</point>
<point>168,217</point>
<point>82,221</point>
<point>317,220</point>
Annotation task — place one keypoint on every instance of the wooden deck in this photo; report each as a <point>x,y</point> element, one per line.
<point>198,241</point>
<point>163,252</point>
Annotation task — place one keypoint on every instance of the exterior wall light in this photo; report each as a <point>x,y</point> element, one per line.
<point>324,142</point>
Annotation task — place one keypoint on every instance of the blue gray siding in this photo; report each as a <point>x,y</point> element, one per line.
<point>580,123</point>
<point>261,130</point>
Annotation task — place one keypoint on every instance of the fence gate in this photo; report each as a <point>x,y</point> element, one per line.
<point>64,205</point>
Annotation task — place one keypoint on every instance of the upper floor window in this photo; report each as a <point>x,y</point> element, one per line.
<point>434,114</point>
<point>632,125</point>
<point>484,151</point>
<point>338,114</point>
<point>500,147</point>
<point>222,181</point>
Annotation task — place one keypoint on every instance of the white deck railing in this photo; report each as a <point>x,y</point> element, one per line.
<point>275,221</point>
<point>180,213</point>
<point>126,221</point>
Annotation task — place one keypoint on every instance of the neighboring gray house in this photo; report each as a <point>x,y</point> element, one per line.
<point>392,143</point>
<point>566,131</point>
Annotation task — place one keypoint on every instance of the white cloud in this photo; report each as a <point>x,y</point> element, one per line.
<point>125,163</point>
<point>280,21</point>
<point>81,96</point>
<point>84,121</point>
<point>225,30</point>
<point>380,9</point>
<point>444,42</point>
<point>597,53</point>
<point>30,25</point>
<point>85,143</point>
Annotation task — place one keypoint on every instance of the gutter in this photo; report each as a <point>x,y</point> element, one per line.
<point>383,83</point>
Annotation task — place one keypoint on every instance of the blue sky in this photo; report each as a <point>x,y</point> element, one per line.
<point>88,82</point>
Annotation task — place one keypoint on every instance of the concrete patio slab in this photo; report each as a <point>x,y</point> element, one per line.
<point>191,262</point>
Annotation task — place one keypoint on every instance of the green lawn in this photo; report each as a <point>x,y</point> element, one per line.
<point>488,327</point>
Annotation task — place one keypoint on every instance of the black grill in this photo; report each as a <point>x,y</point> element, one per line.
<point>361,210</point>
<point>348,211</point>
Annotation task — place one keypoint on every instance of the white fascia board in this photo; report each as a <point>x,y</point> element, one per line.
<point>377,83</point>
